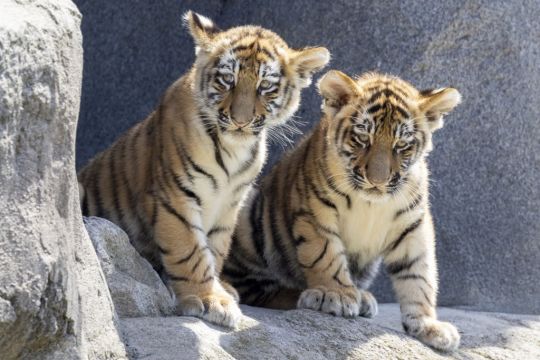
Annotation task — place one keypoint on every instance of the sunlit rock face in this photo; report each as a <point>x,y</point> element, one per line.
<point>54,302</point>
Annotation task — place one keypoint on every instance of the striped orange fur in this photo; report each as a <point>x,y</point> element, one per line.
<point>175,181</point>
<point>352,193</point>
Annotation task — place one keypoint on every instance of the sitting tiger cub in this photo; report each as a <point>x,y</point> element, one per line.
<point>353,192</point>
<point>175,181</point>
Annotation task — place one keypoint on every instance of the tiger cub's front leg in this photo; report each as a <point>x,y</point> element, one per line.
<point>191,265</point>
<point>330,286</point>
<point>410,261</point>
<point>219,240</point>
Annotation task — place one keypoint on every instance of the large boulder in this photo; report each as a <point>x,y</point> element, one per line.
<point>54,302</point>
<point>136,289</point>
<point>485,192</point>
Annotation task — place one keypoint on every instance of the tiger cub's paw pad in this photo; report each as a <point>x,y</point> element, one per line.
<point>368,307</point>
<point>337,302</point>
<point>220,309</point>
<point>437,334</point>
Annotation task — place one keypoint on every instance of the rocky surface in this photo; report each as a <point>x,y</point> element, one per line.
<point>485,193</point>
<point>305,334</point>
<point>135,287</point>
<point>295,334</point>
<point>54,301</point>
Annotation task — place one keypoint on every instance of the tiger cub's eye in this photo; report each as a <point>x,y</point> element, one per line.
<point>228,78</point>
<point>401,144</point>
<point>363,138</point>
<point>265,84</point>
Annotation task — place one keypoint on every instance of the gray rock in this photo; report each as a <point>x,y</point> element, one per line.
<point>54,302</point>
<point>305,334</point>
<point>136,289</point>
<point>485,166</point>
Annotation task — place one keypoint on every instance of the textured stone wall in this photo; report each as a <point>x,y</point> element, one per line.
<point>54,302</point>
<point>486,161</point>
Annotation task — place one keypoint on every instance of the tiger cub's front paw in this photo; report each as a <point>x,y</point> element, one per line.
<point>219,308</point>
<point>437,334</point>
<point>344,301</point>
<point>368,305</point>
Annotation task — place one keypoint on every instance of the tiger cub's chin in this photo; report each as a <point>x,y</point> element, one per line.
<point>352,194</point>
<point>175,181</point>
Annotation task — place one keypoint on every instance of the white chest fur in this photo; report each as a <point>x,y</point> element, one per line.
<point>364,228</point>
<point>228,195</point>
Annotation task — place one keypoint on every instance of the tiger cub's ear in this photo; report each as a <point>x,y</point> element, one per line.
<point>436,103</point>
<point>308,61</point>
<point>337,90</point>
<point>201,28</point>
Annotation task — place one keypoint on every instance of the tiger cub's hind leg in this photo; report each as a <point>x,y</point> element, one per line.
<point>266,293</point>
<point>191,267</point>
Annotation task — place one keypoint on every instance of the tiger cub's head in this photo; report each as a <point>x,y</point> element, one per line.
<point>381,126</point>
<point>247,78</point>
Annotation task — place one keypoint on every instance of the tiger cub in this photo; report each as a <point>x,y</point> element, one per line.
<point>353,192</point>
<point>175,181</point>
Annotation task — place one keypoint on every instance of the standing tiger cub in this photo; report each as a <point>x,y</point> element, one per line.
<point>352,193</point>
<point>175,181</point>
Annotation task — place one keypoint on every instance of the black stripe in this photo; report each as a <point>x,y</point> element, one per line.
<point>267,53</point>
<point>320,197</point>
<point>231,273</point>
<point>328,178</point>
<point>217,152</point>
<point>319,258</point>
<point>338,131</point>
<point>301,177</point>
<point>177,278</point>
<point>114,189</point>
<point>206,280</point>
<point>325,229</point>
<point>346,134</point>
<point>185,190</point>
<point>374,108</point>
<point>181,156</point>
<point>401,265</point>
<point>411,277</point>
<point>386,92</point>
<point>197,264</point>
<point>162,250</point>
<point>249,162</point>
<point>180,217</point>
<point>331,262</point>
<point>256,218</point>
<point>187,258</point>
<point>242,47</point>
<point>253,283</point>
<point>402,236</point>
<point>288,95</point>
<point>276,237</point>
<point>241,186</point>
<point>336,278</point>
<point>217,230</point>
<point>206,271</point>
<point>154,211</point>
<point>409,207</point>
<point>402,111</point>
<point>201,171</point>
